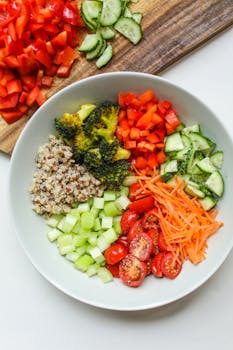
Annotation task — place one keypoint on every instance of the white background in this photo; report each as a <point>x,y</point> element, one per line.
<point>35,315</point>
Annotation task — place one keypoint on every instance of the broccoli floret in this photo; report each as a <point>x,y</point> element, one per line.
<point>111,151</point>
<point>111,174</point>
<point>108,149</point>
<point>121,153</point>
<point>67,125</point>
<point>92,158</point>
<point>81,145</point>
<point>102,122</point>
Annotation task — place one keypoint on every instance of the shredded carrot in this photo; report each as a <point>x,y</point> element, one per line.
<point>185,224</point>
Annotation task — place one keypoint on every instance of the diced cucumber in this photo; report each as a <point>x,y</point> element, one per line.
<point>92,270</point>
<point>65,244</point>
<point>105,56</point>
<point>174,142</point>
<point>53,234</point>
<point>122,202</point>
<point>215,183</point>
<point>89,43</point>
<point>83,262</point>
<point>67,223</point>
<point>98,202</point>
<point>110,13</point>
<point>217,159</point>
<point>87,220</point>
<point>54,220</point>
<point>129,28</point>
<point>208,202</point>
<point>109,195</point>
<point>110,209</point>
<point>107,222</point>
<point>72,256</point>
<point>110,235</point>
<point>97,255</point>
<point>104,274</point>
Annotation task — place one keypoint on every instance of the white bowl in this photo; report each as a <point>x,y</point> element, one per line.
<point>31,229</point>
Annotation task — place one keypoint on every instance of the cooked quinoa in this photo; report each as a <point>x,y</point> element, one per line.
<point>58,182</point>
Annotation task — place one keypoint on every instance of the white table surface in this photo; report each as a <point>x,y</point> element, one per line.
<point>34,315</point>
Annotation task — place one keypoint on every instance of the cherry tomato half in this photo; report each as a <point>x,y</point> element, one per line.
<point>135,229</point>
<point>156,265</point>
<point>114,269</point>
<point>123,240</point>
<point>154,234</point>
<point>162,243</point>
<point>169,266</point>
<point>150,219</point>
<point>141,246</point>
<point>115,253</point>
<point>142,205</point>
<point>127,219</point>
<point>132,271</point>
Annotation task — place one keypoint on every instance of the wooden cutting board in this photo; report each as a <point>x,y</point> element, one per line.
<point>171,29</point>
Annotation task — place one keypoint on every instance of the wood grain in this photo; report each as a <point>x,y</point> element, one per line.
<point>171,29</point>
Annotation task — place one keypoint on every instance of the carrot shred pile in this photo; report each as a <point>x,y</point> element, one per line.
<point>185,224</point>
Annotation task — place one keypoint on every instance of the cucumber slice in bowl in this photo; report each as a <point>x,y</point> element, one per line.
<point>129,28</point>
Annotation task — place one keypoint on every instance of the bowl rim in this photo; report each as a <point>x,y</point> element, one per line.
<point>17,146</point>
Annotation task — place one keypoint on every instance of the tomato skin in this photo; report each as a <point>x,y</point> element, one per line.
<point>162,243</point>
<point>141,246</point>
<point>156,265</point>
<point>154,233</point>
<point>123,240</point>
<point>134,191</point>
<point>114,269</point>
<point>150,219</point>
<point>135,229</point>
<point>132,271</point>
<point>169,266</point>
<point>142,205</point>
<point>115,253</point>
<point>127,220</point>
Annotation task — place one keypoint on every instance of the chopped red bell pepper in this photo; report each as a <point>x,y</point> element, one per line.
<point>37,41</point>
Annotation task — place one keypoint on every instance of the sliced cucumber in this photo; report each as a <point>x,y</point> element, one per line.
<point>200,142</point>
<point>90,11</point>
<point>171,166</point>
<point>105,57</point>
<point>107,33</point>
<point>215,183</point>
<point>129,28</point>
<point>206,165</point>
<point>208,202</point>
<point>192,128</point>
<point>89,43</point>
<point>97,51</point>
<point>110,13</point>
<point>193,191</point>
<point>174,143</point>
<point>137,16</point>
<point>217,159</point>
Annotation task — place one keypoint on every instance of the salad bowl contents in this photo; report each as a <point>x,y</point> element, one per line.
<point>128,182</point>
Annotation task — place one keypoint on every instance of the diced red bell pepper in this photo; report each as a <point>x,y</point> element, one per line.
<point>9,101</point>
